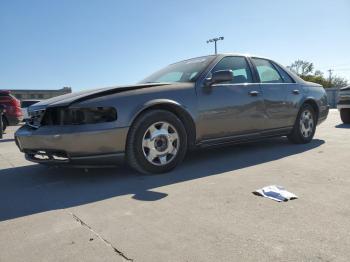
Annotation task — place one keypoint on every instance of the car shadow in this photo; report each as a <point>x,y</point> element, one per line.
<point>33,189</point>
<point>343,126</point>
<point>4,140</point>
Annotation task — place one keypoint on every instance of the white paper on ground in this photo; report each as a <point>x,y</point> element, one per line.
<point>274,192</point>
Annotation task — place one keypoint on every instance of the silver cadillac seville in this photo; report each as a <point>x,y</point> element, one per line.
<point>200,102</point>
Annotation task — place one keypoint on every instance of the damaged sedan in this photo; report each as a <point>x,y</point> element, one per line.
<point>200,102</point>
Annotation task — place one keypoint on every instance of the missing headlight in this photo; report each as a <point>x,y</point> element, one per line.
<point>79,116</point>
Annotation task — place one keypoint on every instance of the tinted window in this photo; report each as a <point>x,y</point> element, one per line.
<point>239,67</point>
<point>266,71</point>
<point>286,78</point>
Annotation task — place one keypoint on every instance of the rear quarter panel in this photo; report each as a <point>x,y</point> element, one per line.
<point>318,94</point>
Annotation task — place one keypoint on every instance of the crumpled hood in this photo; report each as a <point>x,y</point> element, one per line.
<point>68,99</point>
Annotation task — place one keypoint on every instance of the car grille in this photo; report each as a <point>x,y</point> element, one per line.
<point>35,118</point>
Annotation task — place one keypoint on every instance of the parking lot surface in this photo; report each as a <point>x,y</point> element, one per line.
<point>202,211</point>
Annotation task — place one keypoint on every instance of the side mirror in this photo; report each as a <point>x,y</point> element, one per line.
<point>219,77</point>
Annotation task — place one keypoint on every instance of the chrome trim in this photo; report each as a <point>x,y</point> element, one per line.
<point>343,106</point>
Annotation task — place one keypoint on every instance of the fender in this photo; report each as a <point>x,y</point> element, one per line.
<point>180,110</point>
<point>313,101</point>
<point>159,102</point>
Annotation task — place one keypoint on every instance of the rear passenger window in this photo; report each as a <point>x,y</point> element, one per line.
<point>239,66</point>
<point>266,71</point>
<point>284,74</point>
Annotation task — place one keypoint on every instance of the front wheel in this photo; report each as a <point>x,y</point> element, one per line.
<point>305,126</point>
<point>157,142</point>
<point>345,115</point>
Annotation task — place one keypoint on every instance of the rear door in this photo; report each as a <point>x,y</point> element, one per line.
<point>277,91</point>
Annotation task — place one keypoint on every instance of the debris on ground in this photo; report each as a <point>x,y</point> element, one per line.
<point>274,192</point>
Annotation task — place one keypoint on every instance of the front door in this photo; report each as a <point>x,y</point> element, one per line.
<point>231,108</point>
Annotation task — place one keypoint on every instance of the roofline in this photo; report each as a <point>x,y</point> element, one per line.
<point>244,54</point>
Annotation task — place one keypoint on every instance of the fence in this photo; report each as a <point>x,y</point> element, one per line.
<point>332,94</point>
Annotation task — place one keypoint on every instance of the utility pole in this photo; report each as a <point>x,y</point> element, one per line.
<point>330,71</point>
<point>215,40</point>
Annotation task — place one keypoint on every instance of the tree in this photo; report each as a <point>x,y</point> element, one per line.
<point>301,67</point>
<point>339,82</point>
<point>305,70</point>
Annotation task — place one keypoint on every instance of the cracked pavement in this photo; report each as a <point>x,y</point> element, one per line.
<point>202,211</point>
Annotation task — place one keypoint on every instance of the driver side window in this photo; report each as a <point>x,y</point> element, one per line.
<point>238,65</point>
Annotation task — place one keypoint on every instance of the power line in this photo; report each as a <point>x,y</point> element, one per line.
<point>335,66</point>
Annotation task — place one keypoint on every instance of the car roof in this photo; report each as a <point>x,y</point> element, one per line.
<point>222,55</point>
<point>242,54</point>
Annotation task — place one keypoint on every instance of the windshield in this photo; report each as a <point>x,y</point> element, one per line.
<point>184,71</point>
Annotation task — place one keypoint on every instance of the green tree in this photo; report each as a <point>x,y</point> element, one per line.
<point>302,67</point>
<point>305,70</point>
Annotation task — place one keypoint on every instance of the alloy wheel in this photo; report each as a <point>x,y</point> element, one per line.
<point>306,123</point>
<point>160,143</point>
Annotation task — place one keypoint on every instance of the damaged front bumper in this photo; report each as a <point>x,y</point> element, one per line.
<point>73,145</point>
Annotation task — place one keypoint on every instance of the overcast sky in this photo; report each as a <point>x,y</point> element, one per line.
<point>84,44</point>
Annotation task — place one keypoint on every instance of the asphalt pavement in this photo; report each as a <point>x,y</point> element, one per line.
<point>202,211</point>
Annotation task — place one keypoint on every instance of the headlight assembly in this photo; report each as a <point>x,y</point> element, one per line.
<point>79,116</point>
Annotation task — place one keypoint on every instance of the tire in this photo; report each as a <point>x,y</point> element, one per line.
<point>4,123</point>
<point>305,126</point>
<point>156,133</point>
<point>345,115</point>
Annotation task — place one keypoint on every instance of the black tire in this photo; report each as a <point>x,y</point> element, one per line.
<point>4,123</point>
<point>345,115</point>
<point>296,136</point>
<point>134,148</point>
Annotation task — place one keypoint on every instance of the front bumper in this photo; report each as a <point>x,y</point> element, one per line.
<point>85,145</point>
<point>343,103</point>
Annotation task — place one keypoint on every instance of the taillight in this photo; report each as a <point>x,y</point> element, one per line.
<point>14,110</point>
<point>18,111</point>
<point>18,103</point>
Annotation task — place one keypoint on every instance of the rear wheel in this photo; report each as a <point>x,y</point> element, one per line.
<point>157,142</point>
<point>345,115</point>
<point>305,126</point>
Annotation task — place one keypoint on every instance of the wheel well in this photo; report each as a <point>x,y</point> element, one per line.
<point>182,114</point>
<point>314,106</point>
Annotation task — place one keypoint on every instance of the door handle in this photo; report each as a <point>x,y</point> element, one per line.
<point>254,93</point>
<point>296,92</point>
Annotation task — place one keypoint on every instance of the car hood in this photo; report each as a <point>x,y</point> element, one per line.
<point>347,88</point>
<point>68,99</point>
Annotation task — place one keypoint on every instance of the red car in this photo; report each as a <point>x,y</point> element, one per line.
<point>13,113</point>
